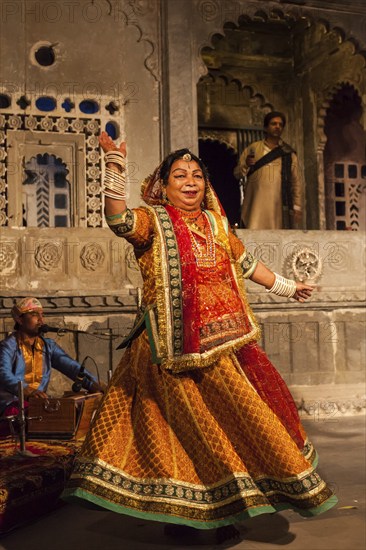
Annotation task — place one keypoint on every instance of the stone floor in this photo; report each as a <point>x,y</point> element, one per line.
<point>341,446</point>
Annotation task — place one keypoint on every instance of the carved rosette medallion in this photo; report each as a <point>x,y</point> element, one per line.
<point>92,256</point>
<point>306,265</point>
<point>31,123</point>
<point>94,220</point>
<point>47,256</point>
<point>93,188</point>
<point>62,125</point>
<point>14,122</point>
<point>77,125</point>
<point>8,256</point>
<point>94,203</point>
<point>47,124</point>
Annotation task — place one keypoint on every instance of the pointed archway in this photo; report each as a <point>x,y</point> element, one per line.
<point>344,161</point>
<point>292,61</point>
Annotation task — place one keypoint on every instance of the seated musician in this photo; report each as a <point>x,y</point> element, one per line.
<point>28,356</point>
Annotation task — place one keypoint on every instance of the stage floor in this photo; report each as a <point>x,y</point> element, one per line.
<point>341,446</point>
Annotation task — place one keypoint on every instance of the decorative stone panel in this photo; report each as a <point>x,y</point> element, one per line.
<point>334,260</point>
<point>64,260</point>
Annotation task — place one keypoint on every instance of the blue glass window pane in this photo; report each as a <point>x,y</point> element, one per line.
<point>60,180</point>
<point>68,105</point>
<point>88,106</point>
<point>46,103</point>
<point>112,130</point>
<point>43,159</point>
<point>45,56</point>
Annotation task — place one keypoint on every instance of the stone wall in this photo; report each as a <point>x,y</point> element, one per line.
<point>320,342</point>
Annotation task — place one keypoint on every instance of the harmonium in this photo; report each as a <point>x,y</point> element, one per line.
<point>67,417</point>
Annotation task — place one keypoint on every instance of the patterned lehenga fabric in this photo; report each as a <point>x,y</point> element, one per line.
<point>203,446</point>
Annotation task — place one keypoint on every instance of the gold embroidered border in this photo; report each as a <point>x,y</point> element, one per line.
<point>168,285</point>
<point>304,491</point>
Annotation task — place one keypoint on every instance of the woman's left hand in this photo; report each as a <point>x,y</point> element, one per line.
<point>107,144</point>
<point>303,292</point>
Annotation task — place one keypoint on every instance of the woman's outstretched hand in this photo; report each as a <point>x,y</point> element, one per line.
<point>107,144</point>
<point>112,206</point>
<point>303,292</point>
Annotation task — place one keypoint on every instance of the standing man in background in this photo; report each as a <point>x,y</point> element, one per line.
<point>273,188</point>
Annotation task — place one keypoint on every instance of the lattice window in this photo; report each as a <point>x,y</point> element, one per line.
<point>349,181</point>
<point>67,128</point>
<point>46,193</point>
<point>88,128</point>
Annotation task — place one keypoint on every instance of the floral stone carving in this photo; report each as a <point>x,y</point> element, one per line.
<point>48,256</point>
<point>92,256</point>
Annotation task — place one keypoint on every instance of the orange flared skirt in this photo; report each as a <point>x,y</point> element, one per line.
<point>204,448</point>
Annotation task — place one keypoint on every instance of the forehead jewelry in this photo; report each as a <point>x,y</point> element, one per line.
<point>187,157</point>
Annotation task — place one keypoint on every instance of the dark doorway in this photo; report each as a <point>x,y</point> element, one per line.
<point>344,161</point>
<point>221,161</point>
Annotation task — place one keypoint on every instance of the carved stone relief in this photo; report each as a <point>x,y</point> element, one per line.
<point>8,258</point>
<point>306,265</point>
<point>48,255</point>
<point>92,256</point>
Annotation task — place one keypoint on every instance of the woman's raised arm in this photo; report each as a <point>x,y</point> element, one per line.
<point>114,185</point>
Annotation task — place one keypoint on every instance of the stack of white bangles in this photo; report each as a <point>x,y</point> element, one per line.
<point>114,185</point>
<point>283,287</point>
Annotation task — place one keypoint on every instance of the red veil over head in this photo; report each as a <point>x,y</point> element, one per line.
<point>152,192</point>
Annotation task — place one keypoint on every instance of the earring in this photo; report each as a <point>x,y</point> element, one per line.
<point>163,195</point>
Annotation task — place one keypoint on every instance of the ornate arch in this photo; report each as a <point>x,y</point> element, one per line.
<point>324,103</point>
<point>136,13</point>
<point>229,88</point>
<point>323,23</point>
<point>211,135</point>
<point>265,13</point>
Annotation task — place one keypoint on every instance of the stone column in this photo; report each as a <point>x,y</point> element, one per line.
<point>180,88</point>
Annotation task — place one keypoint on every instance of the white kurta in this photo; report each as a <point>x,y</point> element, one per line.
<point>262,206</point>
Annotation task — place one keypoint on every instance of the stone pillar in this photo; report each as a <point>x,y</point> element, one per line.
<point>181,87</point>
<point>310,164</point>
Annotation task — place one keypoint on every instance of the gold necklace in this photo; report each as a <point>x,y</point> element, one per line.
<point>192,216</point>
<point>205,255</point>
